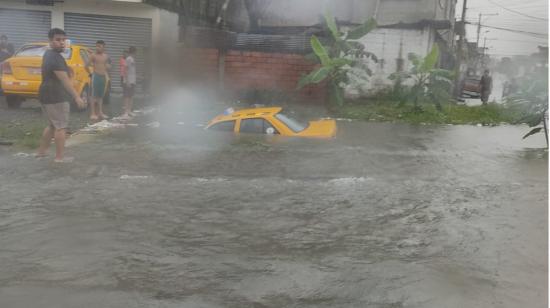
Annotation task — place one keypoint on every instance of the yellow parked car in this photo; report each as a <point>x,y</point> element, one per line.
<point>22,74</point>
<point>271,121</point>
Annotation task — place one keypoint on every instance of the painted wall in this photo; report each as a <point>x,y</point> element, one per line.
<point>389,45</point>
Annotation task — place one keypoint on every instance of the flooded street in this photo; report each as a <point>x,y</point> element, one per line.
<point>385,215</point>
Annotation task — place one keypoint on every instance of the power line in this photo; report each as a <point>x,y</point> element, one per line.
<point>526,6</point>
<point>512,30</point>
<point>512,20</point>
<point>514,5</point>
<point>513,11</point>
<point>519,41</point>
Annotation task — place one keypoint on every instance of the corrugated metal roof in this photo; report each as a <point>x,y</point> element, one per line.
<point>212,38</point>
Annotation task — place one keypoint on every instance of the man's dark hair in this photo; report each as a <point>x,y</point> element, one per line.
<point>100,42</point>
<point>3,36</point>
<point>132,50</point>
<point>55,31</point>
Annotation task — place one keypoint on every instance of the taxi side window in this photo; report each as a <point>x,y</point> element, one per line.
<point>84,56</point>
<point>257,126</point>
<point>227,126</point>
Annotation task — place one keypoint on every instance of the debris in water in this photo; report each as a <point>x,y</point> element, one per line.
<point>122,118</point>
<point>133,177</point>
<point>101,126</point>
<point>154,124</point>
<point>145,111</point>
<point>5,142</point>
<point>479,125</point>
<point>348,181</point>
<point>181,123</point>
<point>337,119</point>
<point>21,154</point>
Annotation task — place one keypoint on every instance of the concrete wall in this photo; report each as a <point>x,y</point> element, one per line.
<point>389,45</point>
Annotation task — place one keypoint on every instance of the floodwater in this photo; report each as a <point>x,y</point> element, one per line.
<point>385,215</point>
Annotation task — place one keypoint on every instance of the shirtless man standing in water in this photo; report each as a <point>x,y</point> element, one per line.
<point>100,80</point>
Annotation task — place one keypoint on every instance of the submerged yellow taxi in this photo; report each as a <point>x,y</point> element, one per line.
<point>270,121</point>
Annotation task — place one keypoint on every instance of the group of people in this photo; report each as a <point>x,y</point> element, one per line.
<point>56,90</point>
<point>101,64</point>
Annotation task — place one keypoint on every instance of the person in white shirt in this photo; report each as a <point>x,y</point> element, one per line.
<point>129,82</point>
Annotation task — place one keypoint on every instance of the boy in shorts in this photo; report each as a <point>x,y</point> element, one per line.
<point>55,92</point>
<point>129,84</point>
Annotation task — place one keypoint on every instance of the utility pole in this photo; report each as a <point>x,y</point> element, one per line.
<point>483,55</point>
<point>460,51</point>
<point>479,25</point>
<point>485,50</point>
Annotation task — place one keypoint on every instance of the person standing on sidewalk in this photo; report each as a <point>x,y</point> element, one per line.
<point>122,66</point>
<point>486,85</point>
<point>129,82</point>
<point>55,91</point>
<point>100,80</point>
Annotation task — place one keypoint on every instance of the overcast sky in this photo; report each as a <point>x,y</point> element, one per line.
<point>507,43</point>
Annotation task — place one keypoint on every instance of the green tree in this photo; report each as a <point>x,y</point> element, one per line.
<point>337,58</point>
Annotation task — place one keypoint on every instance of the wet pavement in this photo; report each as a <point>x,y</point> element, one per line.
<point>385,215</point>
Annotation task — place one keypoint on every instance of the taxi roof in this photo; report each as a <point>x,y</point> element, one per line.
<point>251,112</point>
<point>46,44</point>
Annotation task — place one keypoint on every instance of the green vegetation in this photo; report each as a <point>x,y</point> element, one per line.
<point>531,102</point>
<point>336,59</point>
<point>492,114</point>
<point>429,84</point>
<point>23,135</point>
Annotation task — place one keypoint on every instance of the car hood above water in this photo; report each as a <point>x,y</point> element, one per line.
<point>320,128</point>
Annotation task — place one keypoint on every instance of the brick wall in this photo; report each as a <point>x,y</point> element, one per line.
<point>244,71</point>
<point>199,65</point>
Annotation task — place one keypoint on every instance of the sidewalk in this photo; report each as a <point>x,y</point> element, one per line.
<point>24,126</point>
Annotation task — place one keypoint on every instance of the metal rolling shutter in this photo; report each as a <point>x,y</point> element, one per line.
<point>118,33</point>
<point>25,26</point>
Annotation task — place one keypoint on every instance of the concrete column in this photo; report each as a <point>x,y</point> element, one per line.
<point>58,18</point>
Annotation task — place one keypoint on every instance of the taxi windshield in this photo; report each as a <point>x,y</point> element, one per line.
<point>39,50</point>
<point>293,124</point>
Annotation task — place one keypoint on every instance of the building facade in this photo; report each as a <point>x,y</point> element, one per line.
<point>119,24</point>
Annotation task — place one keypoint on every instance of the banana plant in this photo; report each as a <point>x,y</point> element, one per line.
<point>532,103</point>
<point>429,84</point>
<point>335,60</point>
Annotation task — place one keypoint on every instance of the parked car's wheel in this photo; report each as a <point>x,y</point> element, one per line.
<point>14,101</point>
<point>85,95</point>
